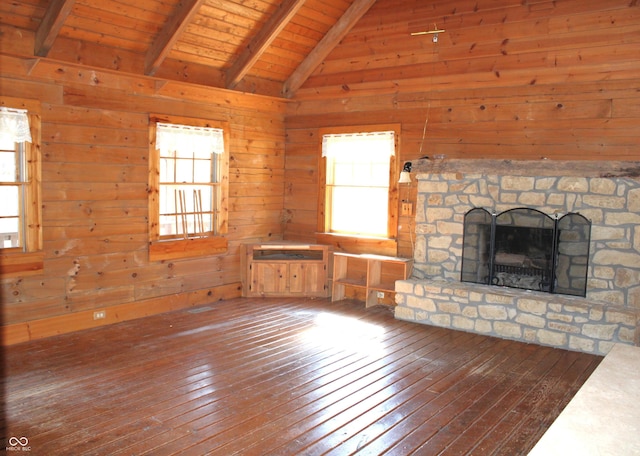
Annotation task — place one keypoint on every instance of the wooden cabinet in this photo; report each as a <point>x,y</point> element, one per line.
<point>285,269</point>
<point>370,276</point>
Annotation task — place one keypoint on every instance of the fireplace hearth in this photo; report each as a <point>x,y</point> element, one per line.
<point>525,248</point>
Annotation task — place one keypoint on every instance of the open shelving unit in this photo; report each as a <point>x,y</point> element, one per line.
<point>372,276</point>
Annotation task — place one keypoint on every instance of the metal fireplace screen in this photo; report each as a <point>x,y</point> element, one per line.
<point>525,248</point>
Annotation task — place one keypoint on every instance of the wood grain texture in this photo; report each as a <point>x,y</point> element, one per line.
<point>287,377</point>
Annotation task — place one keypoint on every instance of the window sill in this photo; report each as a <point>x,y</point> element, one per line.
<point>355,244</point>
<point>19,264</point>
<point>186,248</point>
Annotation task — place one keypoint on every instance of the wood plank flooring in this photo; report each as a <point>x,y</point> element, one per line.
<point>284,377</point>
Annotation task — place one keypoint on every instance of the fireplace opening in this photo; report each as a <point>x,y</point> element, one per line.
<point>525,248</point>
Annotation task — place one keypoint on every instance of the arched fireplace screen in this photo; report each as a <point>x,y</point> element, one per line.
<point>525,248</point>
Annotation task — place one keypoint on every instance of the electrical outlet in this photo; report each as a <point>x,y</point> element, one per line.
<point>99,314</point>
<point>380,294</point>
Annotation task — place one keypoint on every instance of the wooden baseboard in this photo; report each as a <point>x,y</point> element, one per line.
<point>77,321</point>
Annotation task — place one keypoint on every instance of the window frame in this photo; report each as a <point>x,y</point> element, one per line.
<point>354,243</point>
<point>28,259</point>
<point>174,248</point>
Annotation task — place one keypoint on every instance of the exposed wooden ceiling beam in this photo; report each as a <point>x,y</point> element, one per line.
<point>357,9</point>
<point>163,43</point>
<point>260,43</point>
<point>52,21</point>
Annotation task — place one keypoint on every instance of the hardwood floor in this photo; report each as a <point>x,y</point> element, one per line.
<point>284,377</point>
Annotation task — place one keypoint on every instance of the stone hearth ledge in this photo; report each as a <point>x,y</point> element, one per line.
<point>567,322</point>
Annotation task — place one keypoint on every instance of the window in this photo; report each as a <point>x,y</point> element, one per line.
<point>188,179</point>
<point>20,214</point>
<point>359,194</point>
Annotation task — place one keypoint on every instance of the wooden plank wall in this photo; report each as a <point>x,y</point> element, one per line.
<point>510,79</point>
<point>94,174</point>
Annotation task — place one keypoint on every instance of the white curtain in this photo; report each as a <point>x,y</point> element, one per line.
<point>14,126</point>
<point>171,137</point>
<point>380,143</point>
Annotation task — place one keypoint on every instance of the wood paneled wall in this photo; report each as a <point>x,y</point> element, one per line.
<point>512,79</point>
<point>94,180</point>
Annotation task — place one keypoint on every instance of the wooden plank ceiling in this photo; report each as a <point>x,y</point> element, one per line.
<point>261,46</point>
<point>318,49</point>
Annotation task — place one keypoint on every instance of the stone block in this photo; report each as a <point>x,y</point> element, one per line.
<point>508,198</point>
<point>483,327</point>
<point>404,286</point>
<point>560,317</point>
<point>439,242</point>
<point>545,183</point>
<point>404,313</point>
<point>489,312</point>
<point>553,338</point>
<point>470,311</point>
<point>421,303</point>
<point>450,228</point>
<point>633,200</point>
<point>507,329</point>
<point>441,320</point>
<point>532,199</point>
<point>626,277</point>
<point>625,318</point>
<point>602,332</point>
<point>529,335</point>
<point>432,187</point>
<point>605,202</point>
<point>627,335</point>
<point>596,314</point>
<point>602,186</point>
<point>604,347</point>
<point>621,218</point>
<point>533,306</point>
<point>434,214</point>
<point>463,323</point>
<point>518,183</point>
<point>563,327</point>
<point>573,184</point>
<point>556,199</point>
<point>530,320</point>
<point>437,256</point>
<point>449,307</point>
<point>581,344</point>
<point>499,299</point>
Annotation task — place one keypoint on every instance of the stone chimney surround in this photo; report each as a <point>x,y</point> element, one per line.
<point>607,193</point>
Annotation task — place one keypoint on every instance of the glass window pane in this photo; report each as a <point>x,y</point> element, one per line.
<point>202,172</point>
<point>167,169</point>
<point>9,195</point>
<point>357,210</point>
<point>9,232</point>
<point>8,168</point>
<point>184,170</point>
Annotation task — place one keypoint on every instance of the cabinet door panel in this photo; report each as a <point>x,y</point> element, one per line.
<point>269,278</point>
<point>307,278</point>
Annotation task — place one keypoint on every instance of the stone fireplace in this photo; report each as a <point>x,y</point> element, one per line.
<point>604,306</point>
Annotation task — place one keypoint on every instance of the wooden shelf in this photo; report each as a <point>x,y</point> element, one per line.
<point>374,275</point>
<point>285,269</point>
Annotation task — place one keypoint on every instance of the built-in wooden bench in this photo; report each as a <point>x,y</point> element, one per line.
<point>603,418</point>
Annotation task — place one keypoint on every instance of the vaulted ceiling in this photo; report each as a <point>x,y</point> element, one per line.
<point>318,49</point>
<point>261,46</point>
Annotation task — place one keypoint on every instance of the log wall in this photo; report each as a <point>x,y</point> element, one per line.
<point>525,80</point>
<point>95,206</point>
